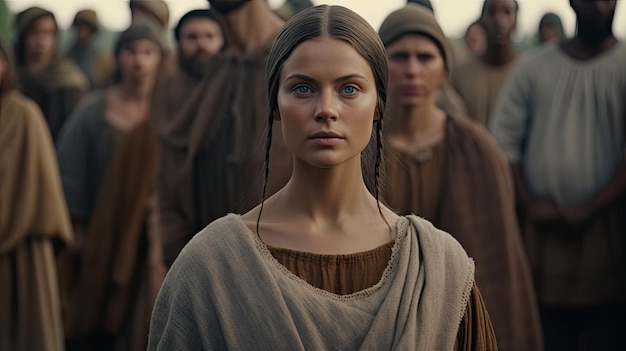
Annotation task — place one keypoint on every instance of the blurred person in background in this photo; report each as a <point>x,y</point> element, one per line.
<point>96,64</point>
<point>551,29</point>
<point>479,80</point>
<point>447,98</point>
<point>107,160</point>
<point>154,10</point>
<point>34,223</point>
<point>446,169</point>
<point>211,155</point>
<point>560,122</point>
<point>200,37</point>
<point>55,83</point>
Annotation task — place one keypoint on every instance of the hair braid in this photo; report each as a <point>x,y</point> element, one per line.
<point>266,171</point>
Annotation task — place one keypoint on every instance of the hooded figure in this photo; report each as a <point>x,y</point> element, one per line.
<point>452,174</point>
<point>54,83</point>
<point>95,64</point>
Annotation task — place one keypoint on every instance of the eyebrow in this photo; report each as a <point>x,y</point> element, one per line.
<point>312,80</point>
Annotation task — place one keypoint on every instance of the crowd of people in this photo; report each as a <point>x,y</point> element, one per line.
<point>296,179</point>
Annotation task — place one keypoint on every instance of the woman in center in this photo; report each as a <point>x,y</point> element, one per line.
<point>322,264</point>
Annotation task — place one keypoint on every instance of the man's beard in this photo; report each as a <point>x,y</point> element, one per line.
<point>192,65</point>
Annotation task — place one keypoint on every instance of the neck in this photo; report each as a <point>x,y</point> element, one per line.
<point>327,196</point>
<point>499,54</point>
<point>415,123</point>
<point>38,64</point>
<point>592,41</point>
<point>136,90</point>
<point>253,26</point>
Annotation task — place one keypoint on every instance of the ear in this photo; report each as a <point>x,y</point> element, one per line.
<point>277,115</point>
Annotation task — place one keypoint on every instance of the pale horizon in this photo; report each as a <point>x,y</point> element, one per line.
<point>453,15</point>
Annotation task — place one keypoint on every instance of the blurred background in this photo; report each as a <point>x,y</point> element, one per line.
<point>453,15</point>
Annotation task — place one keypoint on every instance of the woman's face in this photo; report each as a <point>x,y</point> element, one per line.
<point>41,39</point>
<point>139,60</point>
<point>416,70</point>
<point>326,102</point>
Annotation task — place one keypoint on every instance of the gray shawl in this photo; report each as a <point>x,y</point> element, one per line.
<point>226,291</point>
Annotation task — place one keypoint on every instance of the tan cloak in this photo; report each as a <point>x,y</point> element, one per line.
<point>33,222</point>
<point>475,204</point>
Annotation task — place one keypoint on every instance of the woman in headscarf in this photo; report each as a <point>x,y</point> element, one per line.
<point>52,81</point>
<point>106,153</point>
<point>446,169</point>
<point>34,224</point>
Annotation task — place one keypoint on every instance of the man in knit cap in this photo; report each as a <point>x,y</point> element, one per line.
<point>211,151</point>
<point>96,64</point>
<point>54,83</point>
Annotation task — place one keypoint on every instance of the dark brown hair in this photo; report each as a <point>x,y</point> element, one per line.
<point>339,23</point>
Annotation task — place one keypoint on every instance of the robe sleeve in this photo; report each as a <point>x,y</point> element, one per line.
<point>511,115</point>
<point>475,331</point>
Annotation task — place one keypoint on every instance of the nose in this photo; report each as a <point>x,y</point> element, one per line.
<point>414,68</point>
<point>326,108</point>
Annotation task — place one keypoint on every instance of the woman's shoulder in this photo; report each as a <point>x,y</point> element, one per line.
<point>434,239</point>
<point>216,239</point>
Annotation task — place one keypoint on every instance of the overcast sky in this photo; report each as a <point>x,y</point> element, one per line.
<point>454,15</point>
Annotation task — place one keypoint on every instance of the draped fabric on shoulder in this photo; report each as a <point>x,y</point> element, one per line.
<point>417,305</point>
<point>477,207</point>
<point>56,91</point>
<point>212,156</point>
<point>33,223</point>
<point>117,246</point>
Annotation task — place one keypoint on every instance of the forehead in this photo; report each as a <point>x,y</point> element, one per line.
<point>500,4</point>
<point>413,41</point>
<point>326,57</point>
<point>199,23</point>
<point>44,23</point>
<point>140,43</point>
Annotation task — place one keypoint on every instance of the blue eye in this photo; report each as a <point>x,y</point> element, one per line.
<point>302,89</point>
<point>350,90</point>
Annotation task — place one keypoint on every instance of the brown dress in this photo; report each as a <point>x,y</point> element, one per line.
<point>464,187</point>
<point>347,274</point>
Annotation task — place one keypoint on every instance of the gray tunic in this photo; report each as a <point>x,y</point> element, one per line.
<point>564,121</point>
<point>85,146</point>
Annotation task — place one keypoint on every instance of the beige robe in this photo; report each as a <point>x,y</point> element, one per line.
<point>33,223</point>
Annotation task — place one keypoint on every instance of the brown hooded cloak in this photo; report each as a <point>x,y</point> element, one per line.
<point>33,222</point>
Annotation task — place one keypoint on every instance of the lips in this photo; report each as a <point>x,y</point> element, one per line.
<point>326,138</point>
<point>413,90</point>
